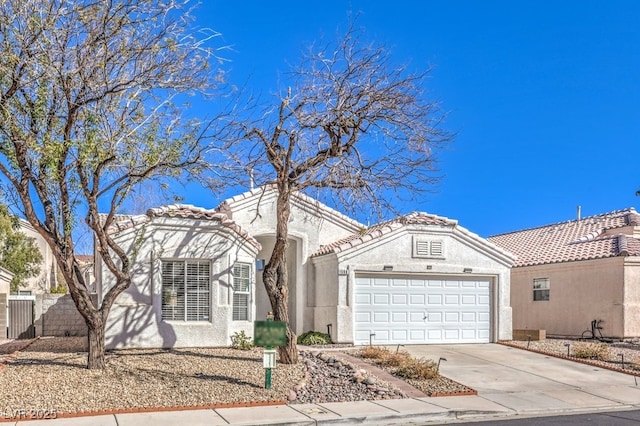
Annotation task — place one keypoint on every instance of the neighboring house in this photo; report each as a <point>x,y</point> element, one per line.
<point>568,274</point>
<point>5,287</point>
<point>87,267</point>
<point>197,279</point>
<point>47,278</point>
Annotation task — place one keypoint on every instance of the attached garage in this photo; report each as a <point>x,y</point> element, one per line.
<point>418,279</point>
<point>409,309</point>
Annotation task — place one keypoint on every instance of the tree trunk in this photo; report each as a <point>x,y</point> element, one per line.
<point>275,276</point>
<point>95,358</point>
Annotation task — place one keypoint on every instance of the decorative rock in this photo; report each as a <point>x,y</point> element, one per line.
<point>369,381</point>
<point>292,395</point>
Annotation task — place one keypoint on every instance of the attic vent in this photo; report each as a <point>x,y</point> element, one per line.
<point>422,248</point>
<point>428,248</point>
<point>436,248</point>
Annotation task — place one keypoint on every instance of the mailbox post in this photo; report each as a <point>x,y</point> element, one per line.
<point>269,334</point>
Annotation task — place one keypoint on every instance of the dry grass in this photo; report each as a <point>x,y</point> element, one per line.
<point>400,363</point>
<point>587,350</point>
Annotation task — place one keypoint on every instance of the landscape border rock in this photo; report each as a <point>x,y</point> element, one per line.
<point>595,363</point>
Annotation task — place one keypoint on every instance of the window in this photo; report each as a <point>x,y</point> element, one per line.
<point>241,291</point>
<point>540,289</point>
<point>186,290</point>
<point>428,248</point>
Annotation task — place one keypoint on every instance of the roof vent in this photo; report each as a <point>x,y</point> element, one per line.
<point>579,209</point>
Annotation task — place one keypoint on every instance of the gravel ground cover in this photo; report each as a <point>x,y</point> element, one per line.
<point>50,375</point>
<point>614,353</point>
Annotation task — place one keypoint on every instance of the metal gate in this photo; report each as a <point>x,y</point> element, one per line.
<point>21,319</point>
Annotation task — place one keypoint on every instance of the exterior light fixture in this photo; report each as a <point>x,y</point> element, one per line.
<point>467,270</point>
<point>387,268</point>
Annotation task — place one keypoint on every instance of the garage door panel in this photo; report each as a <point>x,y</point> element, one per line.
<point>434,299</point>
<point>394,309</point>
<point>380,299</point>
<point>362,317</point>
<point>434,284</point>
<point>468,299</point>
<point>399,335</point>
<point>469,317</point>
<point>417,299</point>
<point>399,317</point>
<point>451,299</point>
<point>399,299</point>
<point>417,335</point>
<point>380,282</point>
<point>381,317</point>
<point>434,317</point>
<point>434,335</point>
<point>416,317</point>
<point>451,317</point>
<point>399,283</point>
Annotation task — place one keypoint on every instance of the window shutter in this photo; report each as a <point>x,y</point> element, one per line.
<point>241,291</point>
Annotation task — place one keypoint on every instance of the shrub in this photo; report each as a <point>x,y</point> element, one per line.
<point>417,369</point>
<point>314,338</point>
<point>394,359</point>
<point>373,352</point>
<point>60,289</point>
<point>241,341</point>
<point>599,351</point>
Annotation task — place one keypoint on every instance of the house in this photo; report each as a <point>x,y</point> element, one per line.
<point>47,278</point>
<point>5,286</point>
<point>419,278</point>
<point>568,274</point>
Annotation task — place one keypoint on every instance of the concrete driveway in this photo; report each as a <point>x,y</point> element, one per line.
<point>528,382</point>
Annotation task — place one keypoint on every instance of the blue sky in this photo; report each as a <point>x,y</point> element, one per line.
<point>544,96</point>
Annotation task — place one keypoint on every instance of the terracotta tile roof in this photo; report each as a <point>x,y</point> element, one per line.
<point>384,228</point>
<point>592,237</point>
<point>86,258</point>
<point>183,211</point>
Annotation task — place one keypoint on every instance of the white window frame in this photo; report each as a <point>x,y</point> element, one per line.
<point>428,248</point>
<point>241,307</point>
<point>186,293</point>
<point>541,289</point>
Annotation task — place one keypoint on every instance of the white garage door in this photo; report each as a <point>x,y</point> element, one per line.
<point>415,310</point>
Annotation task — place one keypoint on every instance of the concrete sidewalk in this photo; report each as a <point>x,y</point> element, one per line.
<point>509,381</point>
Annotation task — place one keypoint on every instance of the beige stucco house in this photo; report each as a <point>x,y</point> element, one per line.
<point>568,274</point>
<point>419,278</point>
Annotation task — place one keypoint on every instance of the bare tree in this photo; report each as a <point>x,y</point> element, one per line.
<point>90,105</point>
<point>351,125</point>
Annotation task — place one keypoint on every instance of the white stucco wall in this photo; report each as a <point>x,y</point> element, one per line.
<point>136,317</point>
<point>47,278</point>
<point>311,225</point>
<point>335,274</point>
